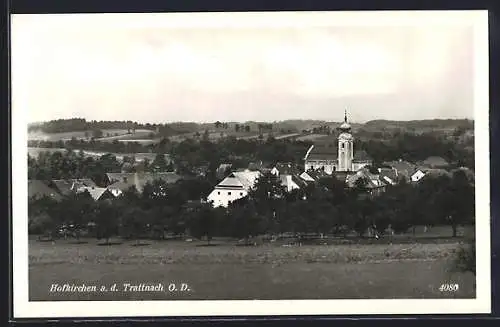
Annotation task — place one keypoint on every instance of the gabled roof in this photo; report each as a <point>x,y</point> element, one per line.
<point>116,177</point>
<point>240,180</point>
<point>38,189</point>
<point>95,192</point>
<point>388,175</point>
<point>322,151</point>
<point>286,168</point>
<point>299,181</point>
<point>317,174</point>
<point>403,168</point>
<point>373,180</point>
<point>67,186</point>
<point>139,180</point>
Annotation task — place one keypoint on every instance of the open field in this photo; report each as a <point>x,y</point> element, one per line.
<point>138,134</point>
<point>119,156</point>
<point>227,271</point>
<point>287,136</point>
<point>78,135</point>
<point>310,137</point>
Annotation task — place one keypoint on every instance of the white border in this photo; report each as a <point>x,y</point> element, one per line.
<point>482,304</point>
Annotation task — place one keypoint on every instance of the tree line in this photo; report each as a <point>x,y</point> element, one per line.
<point>328,207</point>
<point>192,152</point>
<point>75,165</point>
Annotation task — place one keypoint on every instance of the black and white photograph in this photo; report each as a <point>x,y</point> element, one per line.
<point>190,164</point>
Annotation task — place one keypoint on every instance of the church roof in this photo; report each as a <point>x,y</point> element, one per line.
<point>322,151</point>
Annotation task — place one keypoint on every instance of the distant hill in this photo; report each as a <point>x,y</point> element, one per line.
<point>416,124</point>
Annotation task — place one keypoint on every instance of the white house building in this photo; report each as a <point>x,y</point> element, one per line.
<point>235,186</point>
<point>417,175</point>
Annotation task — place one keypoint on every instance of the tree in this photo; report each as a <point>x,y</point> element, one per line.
<point>206,136</point>
<point>41,217</point>
<point>79,210</point>
<point>267,193</point>
<point>245,220</point>
<point>134,223</point>
<point>247,128</point>
<point>455,201</point>
<point>217,124</point>
<point>202,222</point>
<point>107,220</point>
<point>237,127</point>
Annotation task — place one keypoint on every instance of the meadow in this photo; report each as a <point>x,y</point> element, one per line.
<point>34,152</point>
<point>120,133</point>
<point>310,137</point>
<point>226,270</point>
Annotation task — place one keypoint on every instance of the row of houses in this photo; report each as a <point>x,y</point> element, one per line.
<point>238,183</point>
<point>115,185</point>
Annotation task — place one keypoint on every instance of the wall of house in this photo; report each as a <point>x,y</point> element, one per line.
<point>115,192</point>
<point>417,176</point>
<point>222,197</point>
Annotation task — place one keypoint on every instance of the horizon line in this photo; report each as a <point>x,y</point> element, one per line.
<point>250,121</point>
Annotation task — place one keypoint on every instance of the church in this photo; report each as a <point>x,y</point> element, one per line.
<point>341,157</point>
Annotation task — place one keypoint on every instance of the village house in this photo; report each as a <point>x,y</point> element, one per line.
<point>235,186</point>
<point>374,184</point>
<point>284,169</point>
<point>68,186</point>
<point>403,169</point>
<point>117,183</point>
<point>97,193</point>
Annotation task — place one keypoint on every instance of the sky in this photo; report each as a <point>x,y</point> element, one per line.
<point>172,67</point>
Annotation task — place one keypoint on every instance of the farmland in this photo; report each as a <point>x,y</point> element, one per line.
<point>310,137</point>
<point>34,152</point>
<point>267,271</point>
<point>114,133</point>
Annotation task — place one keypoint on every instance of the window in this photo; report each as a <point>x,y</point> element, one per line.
<point>228,193</point>
<point>218,193</point>
<point>241,193</point>
<point>343,145</point>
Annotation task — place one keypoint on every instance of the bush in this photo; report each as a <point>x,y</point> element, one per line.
<point>466,258</point>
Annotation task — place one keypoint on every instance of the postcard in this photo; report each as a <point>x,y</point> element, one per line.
<point>259,163</point>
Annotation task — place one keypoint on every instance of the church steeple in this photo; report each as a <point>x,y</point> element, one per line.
<point>345,127</point>
<point>345,149</point>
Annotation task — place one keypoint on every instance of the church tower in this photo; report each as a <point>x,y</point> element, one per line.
<point>345,149</point>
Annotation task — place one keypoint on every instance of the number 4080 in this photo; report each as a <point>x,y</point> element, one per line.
<point>448,287</point>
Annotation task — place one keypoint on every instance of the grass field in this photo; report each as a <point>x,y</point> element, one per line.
<point>79,135</point>
<point>310,137</point>
<point>95,154</point>
<point>227,271</point>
